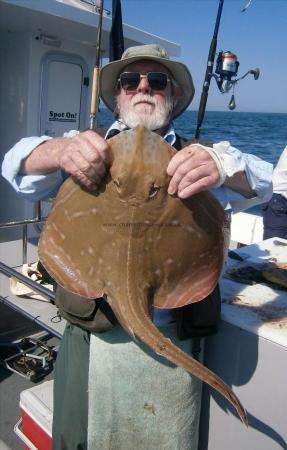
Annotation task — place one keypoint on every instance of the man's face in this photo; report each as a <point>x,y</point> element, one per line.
<point>144,105</point>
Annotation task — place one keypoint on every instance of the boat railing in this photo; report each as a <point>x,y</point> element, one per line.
<point>9,271</point>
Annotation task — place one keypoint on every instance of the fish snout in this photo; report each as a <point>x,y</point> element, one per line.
<point>134,193</point>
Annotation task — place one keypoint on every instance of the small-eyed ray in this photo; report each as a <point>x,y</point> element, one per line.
<point>138,246</point>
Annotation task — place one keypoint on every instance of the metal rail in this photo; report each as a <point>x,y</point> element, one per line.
<point>21,222</point>
<point>36,220</point>
<point>40,289</point>
<point>9,272</point>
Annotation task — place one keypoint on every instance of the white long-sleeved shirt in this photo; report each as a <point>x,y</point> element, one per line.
<point>280,175</point>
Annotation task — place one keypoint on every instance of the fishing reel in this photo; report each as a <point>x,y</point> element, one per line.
<point>226,69</point>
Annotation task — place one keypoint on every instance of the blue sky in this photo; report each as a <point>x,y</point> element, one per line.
<point>257,36</point>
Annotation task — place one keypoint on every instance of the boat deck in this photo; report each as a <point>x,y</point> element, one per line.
<point>11,384</point>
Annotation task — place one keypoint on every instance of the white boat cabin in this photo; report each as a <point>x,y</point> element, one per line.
<point>47,58</point>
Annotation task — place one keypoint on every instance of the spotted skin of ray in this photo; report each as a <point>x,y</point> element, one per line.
<point>138,246</point>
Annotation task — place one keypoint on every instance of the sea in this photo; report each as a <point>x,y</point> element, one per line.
<point>261,134</point>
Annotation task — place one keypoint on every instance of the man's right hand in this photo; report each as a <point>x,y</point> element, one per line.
<point>86,157</point>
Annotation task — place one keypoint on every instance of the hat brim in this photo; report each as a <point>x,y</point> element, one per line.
<point>110,73</point>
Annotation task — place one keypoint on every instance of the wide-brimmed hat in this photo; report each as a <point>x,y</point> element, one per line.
<point>110,73</point>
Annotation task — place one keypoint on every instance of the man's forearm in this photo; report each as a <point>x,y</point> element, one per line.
<point>44,159</point>
<point>239,183</point>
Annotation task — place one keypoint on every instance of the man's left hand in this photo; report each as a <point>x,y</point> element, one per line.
<point>192,170</point>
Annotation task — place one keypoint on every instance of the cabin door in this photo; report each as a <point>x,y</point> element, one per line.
<point>64,94</point>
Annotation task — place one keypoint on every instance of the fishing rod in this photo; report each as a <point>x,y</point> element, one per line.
<point>226,69</point>
<point>209,71</point>
<point>96,74</point>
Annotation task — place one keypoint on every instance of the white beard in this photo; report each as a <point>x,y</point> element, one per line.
<point>152,121</point>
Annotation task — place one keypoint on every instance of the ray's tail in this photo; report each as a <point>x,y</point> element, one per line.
<point>131,309</point>
<point>138,323</point>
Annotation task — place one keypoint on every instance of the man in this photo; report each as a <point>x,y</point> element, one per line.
<point>135,400</point>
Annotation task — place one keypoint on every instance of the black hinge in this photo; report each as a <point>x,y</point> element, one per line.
<point>86,81</point>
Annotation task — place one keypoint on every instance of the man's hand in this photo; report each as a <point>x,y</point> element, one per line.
<point>192,170</point>
<point>86,157</point>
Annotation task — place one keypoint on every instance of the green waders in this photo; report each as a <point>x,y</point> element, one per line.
<point>70,420</point>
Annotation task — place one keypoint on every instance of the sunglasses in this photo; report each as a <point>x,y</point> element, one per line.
<point>129,81</point>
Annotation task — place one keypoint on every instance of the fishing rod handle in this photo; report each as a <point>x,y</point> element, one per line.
<point>95,92</point>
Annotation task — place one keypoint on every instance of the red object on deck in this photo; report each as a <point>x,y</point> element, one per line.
<point>36,405</point>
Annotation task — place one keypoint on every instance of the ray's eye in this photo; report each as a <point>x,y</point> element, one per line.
<point>117,183</point>
<point>153,190</point>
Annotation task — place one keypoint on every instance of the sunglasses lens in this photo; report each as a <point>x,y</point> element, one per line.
<point>129,80</point>
<point>157,80</point>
